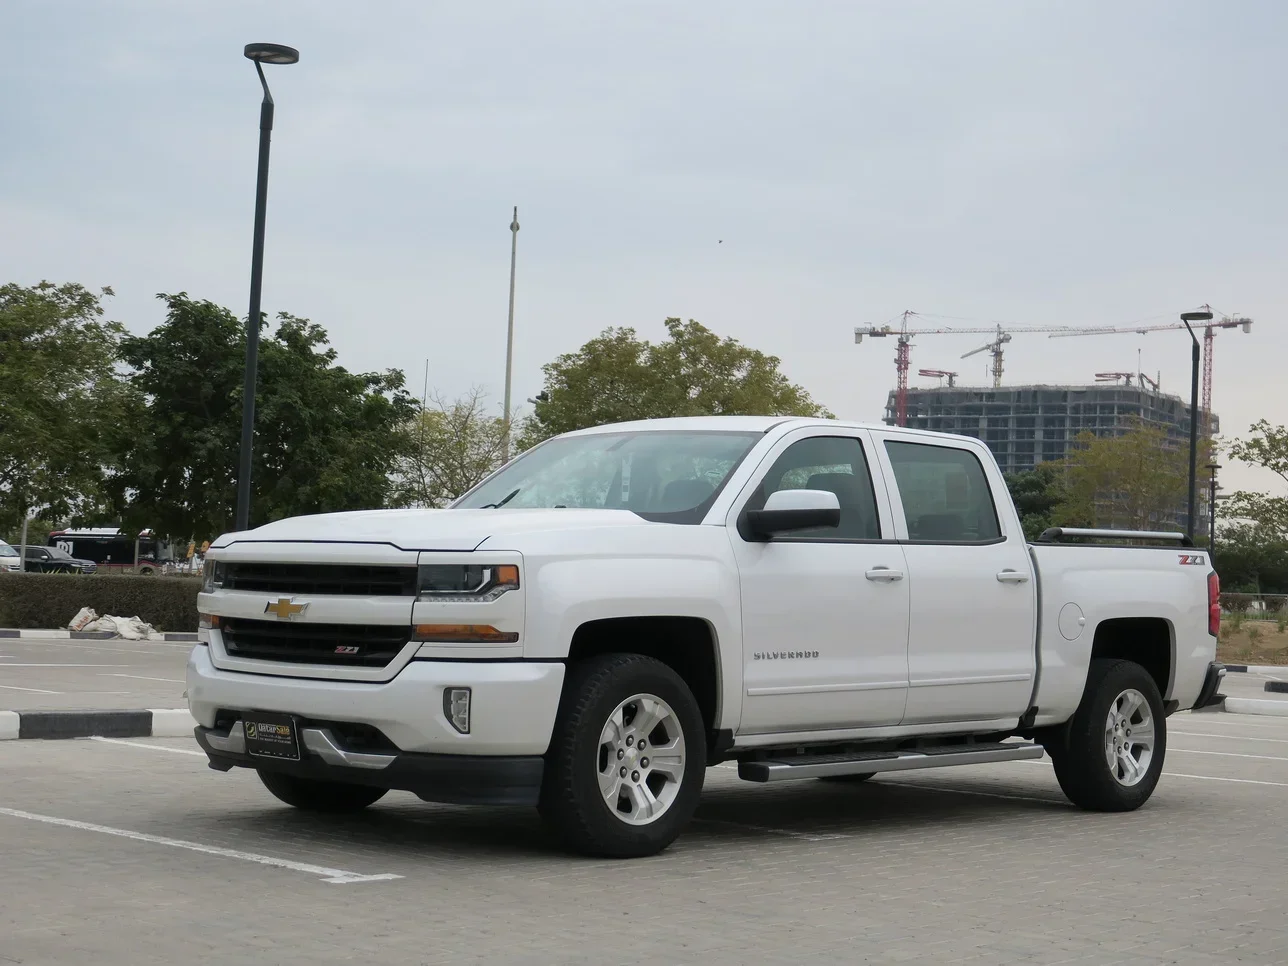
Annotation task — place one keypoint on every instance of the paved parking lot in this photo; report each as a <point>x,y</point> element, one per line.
<point>91,674</point>
<point>134,852</point>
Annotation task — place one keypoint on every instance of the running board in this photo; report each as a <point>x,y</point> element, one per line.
<point>828,766</point>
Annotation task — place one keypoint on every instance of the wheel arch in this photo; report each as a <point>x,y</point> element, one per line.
<point>1147,641</point>
<point>688,645</point>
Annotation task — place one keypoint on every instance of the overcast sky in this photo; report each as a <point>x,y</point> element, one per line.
<point>780,171</point>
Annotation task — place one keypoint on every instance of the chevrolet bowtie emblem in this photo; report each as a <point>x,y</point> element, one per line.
<point>285,608</point>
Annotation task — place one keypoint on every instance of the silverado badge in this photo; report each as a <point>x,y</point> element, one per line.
<point>285,608</point>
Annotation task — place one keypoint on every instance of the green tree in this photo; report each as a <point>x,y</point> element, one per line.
<point>326,439</point>
<point>1040,495</point>
<point>62,406</point>
<point>1267,447</point>
<point>1251,559</point>
<point>452,446</point>
<point>617,377</point>
<point>1137,480</point>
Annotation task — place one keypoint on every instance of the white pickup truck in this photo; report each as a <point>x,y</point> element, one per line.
<point>619,608</point>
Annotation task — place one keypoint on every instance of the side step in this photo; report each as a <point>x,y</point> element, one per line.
<point>789,768</point>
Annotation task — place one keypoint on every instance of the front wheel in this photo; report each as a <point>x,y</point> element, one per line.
<point>320,796</point>
<point>1116,741</point>
<point>627,758</point>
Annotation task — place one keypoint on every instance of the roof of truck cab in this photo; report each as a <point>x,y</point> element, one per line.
<point>728,424</point>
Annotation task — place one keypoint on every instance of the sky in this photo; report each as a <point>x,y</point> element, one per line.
<point>781,172</point>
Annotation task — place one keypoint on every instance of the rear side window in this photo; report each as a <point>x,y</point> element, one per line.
<point>944,492</point>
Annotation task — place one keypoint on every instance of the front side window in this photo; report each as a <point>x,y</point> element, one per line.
<point>944,492</point>
<point>669,477</point>
<point>832,463</point>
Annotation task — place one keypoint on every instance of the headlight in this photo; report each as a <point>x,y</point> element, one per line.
<point>474,582</point>
<point>212,576</point>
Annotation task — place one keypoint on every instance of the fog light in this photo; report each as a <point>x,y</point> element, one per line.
<point>456,708</point>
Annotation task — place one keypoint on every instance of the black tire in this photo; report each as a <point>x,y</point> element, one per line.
<point>571,801</point>
<point>1081,762</point>
<point>849,779</point>
<point>319,796</point>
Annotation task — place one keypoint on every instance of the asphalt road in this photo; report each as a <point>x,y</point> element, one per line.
<point>39,675</point>
<point>133,852</point>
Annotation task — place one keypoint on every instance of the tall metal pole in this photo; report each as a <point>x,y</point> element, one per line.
<point>1194,430</point>
<point>509,336</point>
<point>252,318</point>
<point>1212,468</point>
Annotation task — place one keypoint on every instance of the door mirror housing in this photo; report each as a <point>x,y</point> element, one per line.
<point>788,510</point>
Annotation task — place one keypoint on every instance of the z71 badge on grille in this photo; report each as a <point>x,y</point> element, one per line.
<point>347,649</point>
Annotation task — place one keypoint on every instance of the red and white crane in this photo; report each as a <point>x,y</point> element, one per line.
<point>904,333</point>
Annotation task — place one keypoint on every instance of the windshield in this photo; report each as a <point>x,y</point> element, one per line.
<point>54,552</point>
<point>665,476</point>
<point>7,551</point>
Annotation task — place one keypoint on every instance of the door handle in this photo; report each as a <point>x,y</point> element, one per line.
<point>884,573</point>
<point>1013,577</point>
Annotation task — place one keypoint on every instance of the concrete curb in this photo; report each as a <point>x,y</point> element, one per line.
<point>1249,668</point>
<point>65,635</point>
<point>1266,706</point>
<point>150,723</point>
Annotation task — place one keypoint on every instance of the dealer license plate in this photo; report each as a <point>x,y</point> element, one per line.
<point>271,736</point>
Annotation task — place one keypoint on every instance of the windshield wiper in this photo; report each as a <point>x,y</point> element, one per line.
<point>497,506</point>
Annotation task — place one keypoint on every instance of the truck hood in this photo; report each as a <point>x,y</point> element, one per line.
<point>462,530</point>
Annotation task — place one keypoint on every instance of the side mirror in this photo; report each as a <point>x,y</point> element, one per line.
<point>789,510</point>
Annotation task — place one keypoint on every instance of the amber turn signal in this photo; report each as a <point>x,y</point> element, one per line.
<point>463,634</point>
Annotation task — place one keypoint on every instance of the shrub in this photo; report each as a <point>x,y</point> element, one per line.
<point>51,600</point>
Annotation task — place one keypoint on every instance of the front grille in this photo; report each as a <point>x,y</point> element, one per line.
<point>347,580</point>
<point>376,645</point>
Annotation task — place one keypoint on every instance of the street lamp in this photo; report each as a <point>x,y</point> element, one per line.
<point>261,54</point>
<point>509,335</point>
<point>1212,468</point>
<point>1203,314</point>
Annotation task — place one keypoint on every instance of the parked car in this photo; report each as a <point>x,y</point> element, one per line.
<point>51,560</point>
<point>595,624</point>
<point>9,558</point>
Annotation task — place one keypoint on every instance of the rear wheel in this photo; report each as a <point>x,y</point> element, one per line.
<point>320,796</point>
<point>1116,741</point>
<point>627,758</point>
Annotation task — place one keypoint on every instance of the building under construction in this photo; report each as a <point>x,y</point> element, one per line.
<point>1027,425</point>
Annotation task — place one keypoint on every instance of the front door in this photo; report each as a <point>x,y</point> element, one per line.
<point>971,637</point>
<point>824,613</point>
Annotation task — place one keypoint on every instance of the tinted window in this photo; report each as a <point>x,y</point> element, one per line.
<point>833,463</point>
<point>944,493</point>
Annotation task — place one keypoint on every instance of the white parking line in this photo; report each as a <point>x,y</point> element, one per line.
<point>336,876</point>
<point>140,677</point>
<point>963,791</point>
<point>139,744</point>
<point>1202,734</point>
<point>11,687</point>
<point>1223,754</point>
<point>7,666</point>
<point>788,833</point>
<point>1210,778</point>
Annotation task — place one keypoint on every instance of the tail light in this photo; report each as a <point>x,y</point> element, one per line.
<point>1214,604</point>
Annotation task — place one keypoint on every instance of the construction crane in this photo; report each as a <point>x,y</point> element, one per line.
<point>994,348</point>
<point>1209,332</point>
<point>904,334</point>
<point>941,375</point>
<point>1113,377</point>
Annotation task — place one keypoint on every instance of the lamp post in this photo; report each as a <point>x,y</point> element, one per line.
<point>509,335</point>
<point>261,54</point>
<point>1212,468</point>
<point>1200,315</point>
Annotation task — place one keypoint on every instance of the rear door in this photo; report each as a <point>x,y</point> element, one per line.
<point>971,633</point>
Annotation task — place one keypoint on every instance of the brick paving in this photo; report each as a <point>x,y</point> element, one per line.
<point>981,865</point>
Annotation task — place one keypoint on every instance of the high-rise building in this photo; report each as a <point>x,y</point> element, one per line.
<point>1027,425</point>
